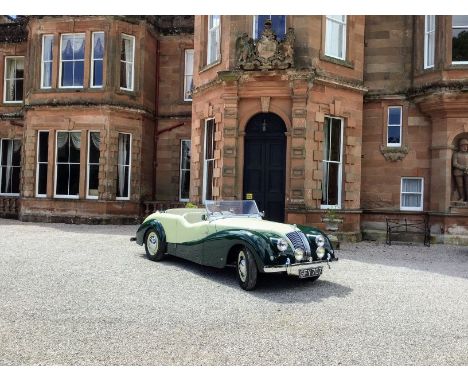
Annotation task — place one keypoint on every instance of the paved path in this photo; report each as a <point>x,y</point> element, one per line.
<point>85,295</point>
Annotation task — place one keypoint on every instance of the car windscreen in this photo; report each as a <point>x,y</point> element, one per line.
<point>232,208</point>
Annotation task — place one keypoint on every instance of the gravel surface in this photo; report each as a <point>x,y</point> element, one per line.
<point>86,295</point>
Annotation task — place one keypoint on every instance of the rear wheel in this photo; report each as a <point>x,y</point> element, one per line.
<point>247,272</point>
<point>154,245</point>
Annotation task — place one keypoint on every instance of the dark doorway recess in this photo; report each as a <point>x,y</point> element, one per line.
<point>265,164</point>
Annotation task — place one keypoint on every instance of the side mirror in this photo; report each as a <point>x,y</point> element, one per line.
<point>203,217</point>
<point>262,214</point>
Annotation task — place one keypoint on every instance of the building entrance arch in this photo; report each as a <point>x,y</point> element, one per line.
<point>265,164</point>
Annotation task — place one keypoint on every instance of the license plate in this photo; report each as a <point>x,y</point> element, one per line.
<point>310,272</point>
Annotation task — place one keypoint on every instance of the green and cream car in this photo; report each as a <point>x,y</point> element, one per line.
<point>234,233</point>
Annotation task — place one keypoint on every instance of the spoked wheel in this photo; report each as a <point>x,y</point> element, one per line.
<point>154,246</point>
<point>246,269</point>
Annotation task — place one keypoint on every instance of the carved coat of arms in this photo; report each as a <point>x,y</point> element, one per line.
<point>267,52</point>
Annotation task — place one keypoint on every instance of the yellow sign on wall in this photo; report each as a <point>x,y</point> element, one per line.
<point>249,196</point>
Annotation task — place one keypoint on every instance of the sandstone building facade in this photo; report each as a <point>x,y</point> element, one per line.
<point>104,118</point>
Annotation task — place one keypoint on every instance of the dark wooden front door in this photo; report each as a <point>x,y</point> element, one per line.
<point>265,163</point>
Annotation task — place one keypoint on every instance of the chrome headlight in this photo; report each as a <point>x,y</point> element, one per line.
<point>282,245</point>
<point>320,240</point>
<point>320,252</point>
<point>299,254</point>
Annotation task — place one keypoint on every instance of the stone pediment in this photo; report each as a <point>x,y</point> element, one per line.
<point>267,52</point>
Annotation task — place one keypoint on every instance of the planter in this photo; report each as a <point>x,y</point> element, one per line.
<point>332,224</point>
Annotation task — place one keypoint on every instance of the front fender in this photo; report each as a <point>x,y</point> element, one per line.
<point>223,241</point>
<point>145,226</point>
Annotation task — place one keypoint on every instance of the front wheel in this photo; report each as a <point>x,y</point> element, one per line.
<point>154,246</point>
<point>247,272</point>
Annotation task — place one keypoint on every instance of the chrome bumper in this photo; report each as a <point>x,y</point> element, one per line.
<point>293,269</point>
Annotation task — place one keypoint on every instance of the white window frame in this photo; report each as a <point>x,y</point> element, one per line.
<point>340,168</point>
<point>60,66</point>
<point>458,27</point>
<point>43,62</point>
<point>124,36</point>
<point>188,74</point>
<point>1,166</point>
<point>61,196</point>
<point>216,29</point>
<point>182,169</point>
<point>205,160</point>
<point>129,165</point>
<point>91,77</point>
<point>5,79</point>
<point>255,26</point>
<point>329,20</point>
<point>38,195</point>
<point>88,164</point>
<point>389,125</point>
<point>429,40</point>
<point>421,207</point>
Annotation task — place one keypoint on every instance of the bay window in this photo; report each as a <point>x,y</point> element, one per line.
<point>14,78</point>
<point>42,163</point>
<point>67,164</point>
<point>72,50</point>
<point>92,187</point>
<point>10,165</point>
<point>123,166</point>
<point>429,41</point>
<point>127,62</point>
<point>97,59</point>
<point>47,61</point>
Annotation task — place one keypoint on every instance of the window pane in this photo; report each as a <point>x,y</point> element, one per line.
<point>42,179</point>
<point>47,75</point>
<point>330,183</point>
<point>122,182</point>
<point>458,20</point>
<point>394,134</point>
<point>411,200</point>
<point>97,73</point>
<point>460,44</point>
<point>412,185</point>
<point>47,48</point>
<point>185,184</point>
<point>209,180</point>
<point>62,179</point>
<point>74,179</point>
<point>98,45</point>
<point>394,114</point>
<point>278,25</point>
<point>62,147</point>
<point>93,180</point>
<point>78,74</point>
<point>209,140</point>
<point>15,180</point>
<point>94,144</point>
<point>75,144</point>
<point>185,159</point>
<point>67,73</point>
<point>43,146</point>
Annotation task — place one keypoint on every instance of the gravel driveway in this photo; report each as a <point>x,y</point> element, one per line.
<point>86,295</point>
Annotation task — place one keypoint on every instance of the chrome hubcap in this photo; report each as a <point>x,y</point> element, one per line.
<point>242,266</point>
<point>152,243</point>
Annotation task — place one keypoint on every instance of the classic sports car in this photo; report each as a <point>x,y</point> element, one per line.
<point>234,233</point>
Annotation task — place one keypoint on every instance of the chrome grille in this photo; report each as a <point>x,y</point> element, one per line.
<point>299,240</point>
